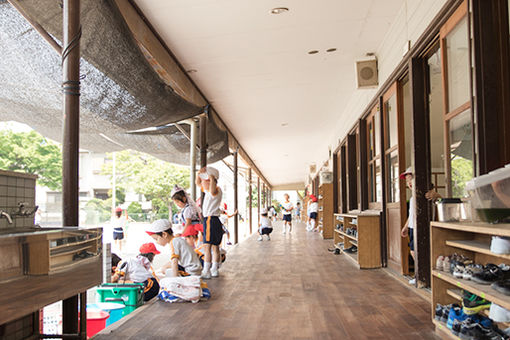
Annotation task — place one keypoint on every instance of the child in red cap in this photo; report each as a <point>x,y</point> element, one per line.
<point>313,207</point>
<point>139,270</point>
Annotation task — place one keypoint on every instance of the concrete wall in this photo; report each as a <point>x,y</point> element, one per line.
<point>411,21</point>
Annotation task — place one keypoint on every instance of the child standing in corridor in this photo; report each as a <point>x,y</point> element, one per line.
<point>213,230</point>
<point>287,213</point>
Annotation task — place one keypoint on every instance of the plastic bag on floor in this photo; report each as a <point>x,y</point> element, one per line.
<point>183,289</point>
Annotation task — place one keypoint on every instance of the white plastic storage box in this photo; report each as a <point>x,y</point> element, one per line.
<point>490,195</point>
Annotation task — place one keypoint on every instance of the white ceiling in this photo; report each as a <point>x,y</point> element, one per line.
<point>254,68</point>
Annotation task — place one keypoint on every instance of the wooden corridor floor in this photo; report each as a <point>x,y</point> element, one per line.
<point>288,288</point>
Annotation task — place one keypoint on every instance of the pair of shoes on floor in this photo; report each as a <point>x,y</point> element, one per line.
<point>261,238</point>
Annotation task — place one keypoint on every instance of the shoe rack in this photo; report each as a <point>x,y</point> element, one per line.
<point>368,238</point>
<point>472,240</point>
<point>326,210</point>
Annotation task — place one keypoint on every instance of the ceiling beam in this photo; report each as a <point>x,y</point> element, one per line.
<point>171,72</point>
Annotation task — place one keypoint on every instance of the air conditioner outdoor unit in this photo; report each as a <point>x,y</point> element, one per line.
<point>366,74</point>
<point>326,177</point>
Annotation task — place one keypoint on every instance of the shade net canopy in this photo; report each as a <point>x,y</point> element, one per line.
<point>120,92</point>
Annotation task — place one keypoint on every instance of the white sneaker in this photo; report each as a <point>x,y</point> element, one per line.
<point>268,238</point>
<point>260,238</point>
<point>206,275</point>
<point>412,281</point>
<point>283,232</point>
<point>214,273</point>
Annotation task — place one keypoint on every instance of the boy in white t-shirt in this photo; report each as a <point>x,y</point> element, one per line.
<point>313,208</point>
<point>265,227</point>
<point>287,213</point>
<point>213,229</point>
<point>183,260</point>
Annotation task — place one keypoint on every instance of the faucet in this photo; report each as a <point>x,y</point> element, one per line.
<point>23,210</point>
<point>6,215</point>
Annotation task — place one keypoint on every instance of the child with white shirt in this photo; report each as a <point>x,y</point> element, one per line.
<point>265,227</point>
<point>183,259</point>
<point>213,229</point>
<point>313,208</point>
<point>287,208</point>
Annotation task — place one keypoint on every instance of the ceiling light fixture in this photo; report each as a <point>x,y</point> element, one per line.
<point>333,49</point>
<point>192,71</point>
<point>279,10</point>
<point>313,52</point>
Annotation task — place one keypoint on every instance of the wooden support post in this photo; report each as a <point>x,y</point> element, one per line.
<point>258,201</point>
<point>203,147</point>
<point>420,160</point>
<point>236,200</point>
<point>70,141</point>
<point>384,236</point>
<point>363,165</point>
<point>83,311</point>
<point>250,206</point>
<point>193,158</point>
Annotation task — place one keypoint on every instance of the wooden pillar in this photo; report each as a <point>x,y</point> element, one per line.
<point>363,165</point>
<point>258,201</point>
<point>203,147</point>
<point>384,235</point>
<point>70,141</point>
<point>420,161</point>
<point>352,181</point>
<point>236,219</point>
<point>492,87</point>
<point>250,207</point>
<point>193,158</point>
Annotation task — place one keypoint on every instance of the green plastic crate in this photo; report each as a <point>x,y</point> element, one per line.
<point>130,294</point>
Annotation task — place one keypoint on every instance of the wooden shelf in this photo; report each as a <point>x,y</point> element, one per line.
<point>348,236</point>
<point>444,331</point>
<point>74,243</point>
<point>502,229</point>
<point>484,291</point>
<point>476,246</point>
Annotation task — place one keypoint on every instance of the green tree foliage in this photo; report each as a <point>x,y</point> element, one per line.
<point>135,208</point>
<point>31,153</point>
<point>148,176</point>
<point>462,171</point>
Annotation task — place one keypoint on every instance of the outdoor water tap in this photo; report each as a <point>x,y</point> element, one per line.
<point>6,215</point>
<point>22,210</point>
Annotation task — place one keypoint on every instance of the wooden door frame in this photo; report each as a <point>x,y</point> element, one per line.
<point>460,13</point>
<point>374,205</point>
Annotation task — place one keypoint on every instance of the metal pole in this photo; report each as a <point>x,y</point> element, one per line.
<point>236,201</point>
<point>193,158</point>
<point>70,144</point>
<point>258,200</point>
<point>250,207</point>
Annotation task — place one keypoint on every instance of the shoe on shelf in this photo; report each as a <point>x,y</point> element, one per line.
<point>352,250</point>
<point>412,282</point>
<point>446,264</point>
<point>492,273</point>
<point>502,286</point>
<point>438,312</point>
<point>473,304</point>
<point>458,271</point>
<point>446,313</point>
<point>500,245</point>
<point>477,331</point>
<point>260,238</point>
<point>470,270</point>
<point>456,314</point>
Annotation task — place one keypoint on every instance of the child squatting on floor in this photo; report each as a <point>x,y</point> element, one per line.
<point>265,227</point>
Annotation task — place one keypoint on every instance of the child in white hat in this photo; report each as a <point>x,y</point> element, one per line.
<point>213,229</point>
<point>265,227</point>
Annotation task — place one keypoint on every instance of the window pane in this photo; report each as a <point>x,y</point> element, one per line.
<point>457,56</point>
<point>391,120</point>
<point>378,180</point>
<point>461,152</point>
<point>377,133</point>
<point>393,179</point>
